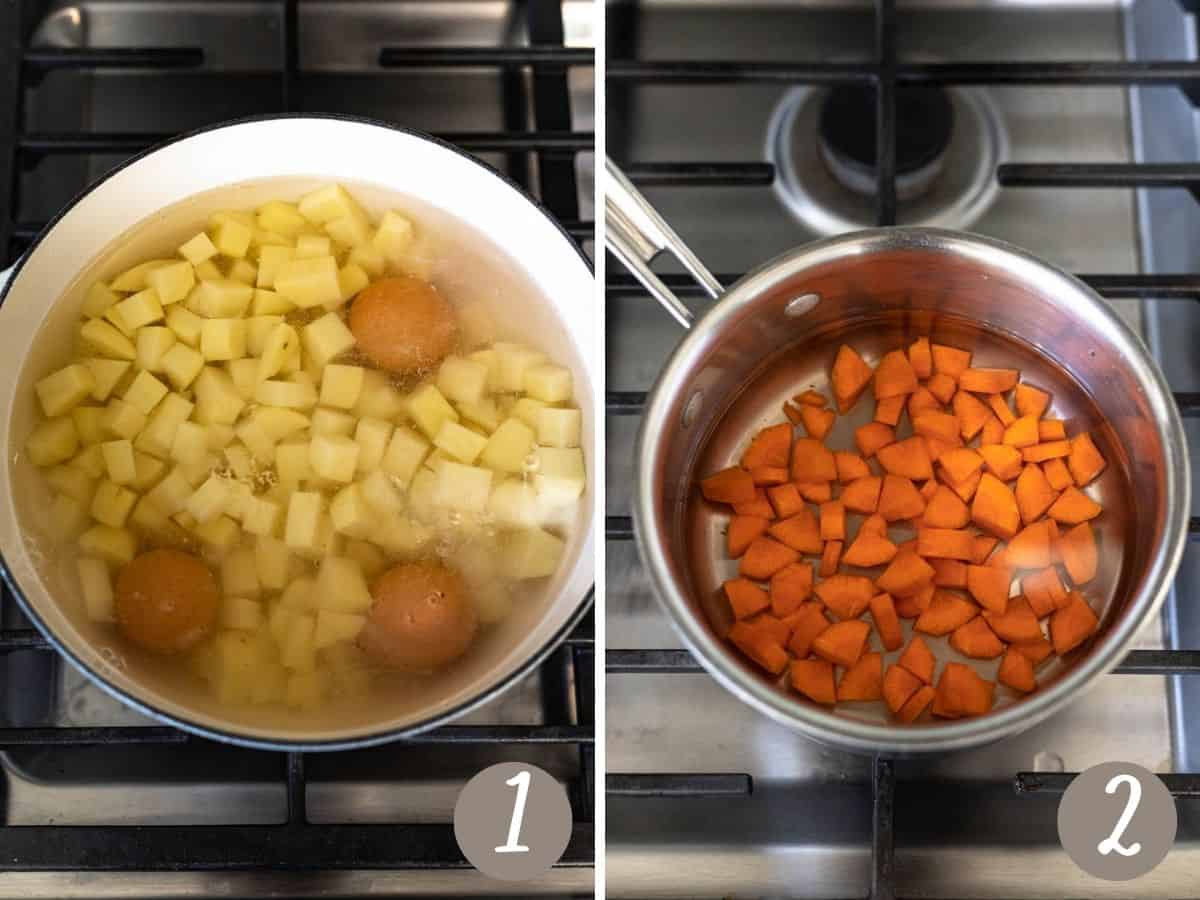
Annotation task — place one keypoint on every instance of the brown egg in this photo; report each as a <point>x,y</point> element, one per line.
<point>422,618</point>
<point>403,324</point>
<point>166,601</point>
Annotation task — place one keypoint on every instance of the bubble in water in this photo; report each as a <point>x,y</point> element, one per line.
<point>113,658</point>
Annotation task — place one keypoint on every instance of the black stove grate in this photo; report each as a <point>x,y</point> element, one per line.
<point>885,73</point>
<point>567,676</point>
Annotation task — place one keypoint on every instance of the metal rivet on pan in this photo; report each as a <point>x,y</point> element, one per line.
<point>800,305</point>
<point>693,407</point>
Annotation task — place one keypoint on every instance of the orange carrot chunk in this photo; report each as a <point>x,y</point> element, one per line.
<point>945,509</point>
<point>817,421</point>
<point>1072,625</point>
<point>807,622</point>
<point>793,414</point>
<point>887,623</point>
<point>760,506</point>
<point>846,596</point>
<point>984,545</point>
<point>1078,550</point>
<point>1001,409</point>
<point>894,376</point>
<point>947,612</point>
<point>1021,433</point>
<point>746,597</point>
<point>1016,672</point>
<point>889,409</point>
<point>814,679</point>
<point>928,489</point>
<point>812,461</point>
<point>1057,474</point>
<point>972,414</point>
<point>842,643</point>
<point>961,691</point>
<point>732,485</point>
<point>1073,507</point>
<point>800,532</point>
<point>1016,624</point>
<point>920,357</point>
<point>811,398</point>
<point>976,640</point>
<point>1034,494</point>
<point>949,573</point>
<point>960,463</point>
<point>995,508</point>
<point>915,705</point>
<point>918,659</point>
<point>768,475</point>
<point>778,629</point>
<point>913,605</point>
<point>989,586</point>
<point>1044,591</point>
<point>1031,401</point>
<point>922,400</point>
<point>1052,430</point>
<point>988,381</point>
<point>908,458</point>
<point>862,495</point>
<point>1036,651</point>
<point>863,680</point>
<point>869,549</point>
<point>905,575</point>
<point>830,557</point>
<point>992,431</point>
<point>950,360</point>
<point>942,386</point>
<point>790,587</point>
<point>870,437</point>
<point>759,646</point>
<point>770,447</point>
<point>965,489</point>
<point>850,377</point>
<point>850,466</point>
<point>785,500</point>
<point>948,543</point>
<point>1046,450</point>
<point>1084,461</point>
<point>899,499</point>
<point>874,524</point>
<point>936,447</point>
<point>764,557</point>
<point>816,492</point>
<point>940,425</point>
<point>833,521</point>
<point>742,532</point>
<point>1001,460</point>
<point>1030,548</point>
<point>898,685</point>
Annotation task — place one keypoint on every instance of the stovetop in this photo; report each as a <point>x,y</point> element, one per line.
<point>705,142</point>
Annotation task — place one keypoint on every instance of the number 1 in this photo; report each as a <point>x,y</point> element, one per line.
<point>1113,841</point>
<point>521,782</point>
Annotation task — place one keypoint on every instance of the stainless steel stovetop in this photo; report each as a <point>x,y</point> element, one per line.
<point>961,830</point>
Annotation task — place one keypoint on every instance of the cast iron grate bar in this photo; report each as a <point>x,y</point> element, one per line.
<point>44,59</point>
<point>701,174</point>
<point>883,830</point>
<point>617,784</point>
<point>885,113</point>
<point>297,789</point>
<point>291,55</point>
<point>1185,786</point>
<point>78,737</point>
<point>22,639</point>
<point>1100,175</point>
<point>541,55</point>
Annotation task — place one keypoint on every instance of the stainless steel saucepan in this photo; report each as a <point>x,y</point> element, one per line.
<point>774,333</point>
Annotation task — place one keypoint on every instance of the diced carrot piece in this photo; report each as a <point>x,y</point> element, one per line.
<point>833,521</point>
<point>899,499</point>
<point>1022,433</point>
<point>807,622</point>
<point>947,612</point>
<point>863,680</point>
<point>746,597</point>
<point>759,646</point>
<point>1030,547</point>
<point>915,705</point>
<point>992,431</point>
<point>920,357</point>
<point>949,573</point>
<point>1084,460</point>
<point>1001,460</point>
<point>912,606</point>
<point>874,524</point>
<point>846,596</point>
<point>1031,401</point>
<point>1016,624</point>
<point>995,508</point>
<point>898,685</point>
<point>770,447</point>
<point>928,489</point>
<point>764,557</point>
<point>942,386</point>
<point>960,463</point>
<point>940,425</point>
<point>768,475</point>
<point>1044,591</point>
<point>1046,450</point>
<point>815,492</point>
<point>1072,625</point>
<point>1036,651</point>
<point>1034,494</point>
<point>812,461</point>
<point>1000,407</point>
<point>818,422</point>
<point>962,691</point>
<point>976,640</point>
<point>1057,474</point>
<point>760,506</point>
<point>905,575</point>
<point>742,532</point>
<point>830,557</point>
<point>989,586</point>
<point>971,414</point>
<point>922,400</point>
<point>1077,547</point>
<point>869,549</point>
<point>870,437</point>
<point>945,509</point>
<point>883,611</point>
<point>1073,507</point>
<point>815,680</point>
<point>862,494</point>
<point>984,545</point>
<point>950,360</point>
<point>965,489</point>
<point>908,458</point>
<point>1016,672</point>
<point>811,398</point>
<point>790,587</point>
<point>800,532</point>
<point>785,500</point>
<point>988,381</point>
<point>918,659</point>
<point>1052,430</point>
<point>793,414</point>
<point>947,543</point>
<point>850,466</point>
<point>732,485</point>
<point>1055,534</point>
<point>778,629</point>
<point>842,643</point>
<point>889,409</point>
<point>850,377</point>
<point>936,447</point>
<point>894,376</point>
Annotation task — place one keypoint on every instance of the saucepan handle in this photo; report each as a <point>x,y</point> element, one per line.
<point>636,234</point>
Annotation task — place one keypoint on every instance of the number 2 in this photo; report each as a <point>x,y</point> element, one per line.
<point>1113,841</point>
<point>521,782</point>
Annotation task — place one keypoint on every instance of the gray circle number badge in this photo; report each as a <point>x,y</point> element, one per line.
<point>1117,821</point>
<point>512,821</point>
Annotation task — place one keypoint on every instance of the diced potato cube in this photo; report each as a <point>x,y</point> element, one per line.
<point>190,445</point>
<point>173,282</point>
<point>220,535</point>
<point>111,504</point>
<point>380,493</point>
<point>71,481</point>
<point>280,216</point>
<point>310,246</point>
<point>270,684</point>
<point>144,393</point>
<point>341,587</point>
<point>394,238</point>
<point>240,613</point>
<point>484,414</point>
<point>326,338</point>
<point>197,473</point>
<point>260,516</point>
<point>185,325</point>
<point>332,421</point>
<point>548,383</point>
<point>223,339</point>
<point>341,385</point>
<point>217,399</point>
<point>297,651</point>
<point>171,494</point>
<point>462,380</point>
<point>258,329</point>
<point>134,279</point>
<point>151,520</point>
<point>113,317</point>
<point>303,520</point>
<point>269,303</point>
<point>220,298</point>
<point>560,476</point>
<point>89,461</point>
<point>106,340</point>
<point>65,389</point>
<point>463,488</point>
<point>158,436</point>
<point>405,452</point>
<point>286,394</point>
<point>140,309</point>
<point>333,456</point>
<point>68,518</point>
<point>208,271</point>
<point>113,545</point>
<point>489,358</point>
<point>370,558</point>
<point>281,341</point>
<point>515,503</point>
<point>350,512</point>
<point>306,689</point>
<point>151,344</point>
<point>269,261</point>
<point>98,300</point>
<point>257,440</point>
<point>430,409</point>
<point>118,461</point>
<point>291,462</point>
<point>300,594</point>
<point>351,280</point>
<point>273,562</point>
<point>420,495</point>
<point>351,230</point>
<point>335,627</point>
<point>146,471</point>
<point>531,553</point>
<point>123,420</point>
<point>244,271</point>
<point>211,499</point>
<point>378,398</point>
<point>309,282</point>
<point>405,537</point>
<point>329,202</point>
<point>512,361</point>
<point>509,447</point>
<point>239,574</point>
<point>232,238</point>
<point>106,373</point>
<point>197,249</point>
<point>181,364</point>
<point>372,436</point>
<point>367,258</point>
<point>476,323</point>
<point>89,424</point>
<point>97,589</point>
<point>244,373</point>
<point>461,443</point>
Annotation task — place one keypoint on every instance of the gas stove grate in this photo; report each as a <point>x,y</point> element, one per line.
<point>885,74</point>
<point>567,675</point>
